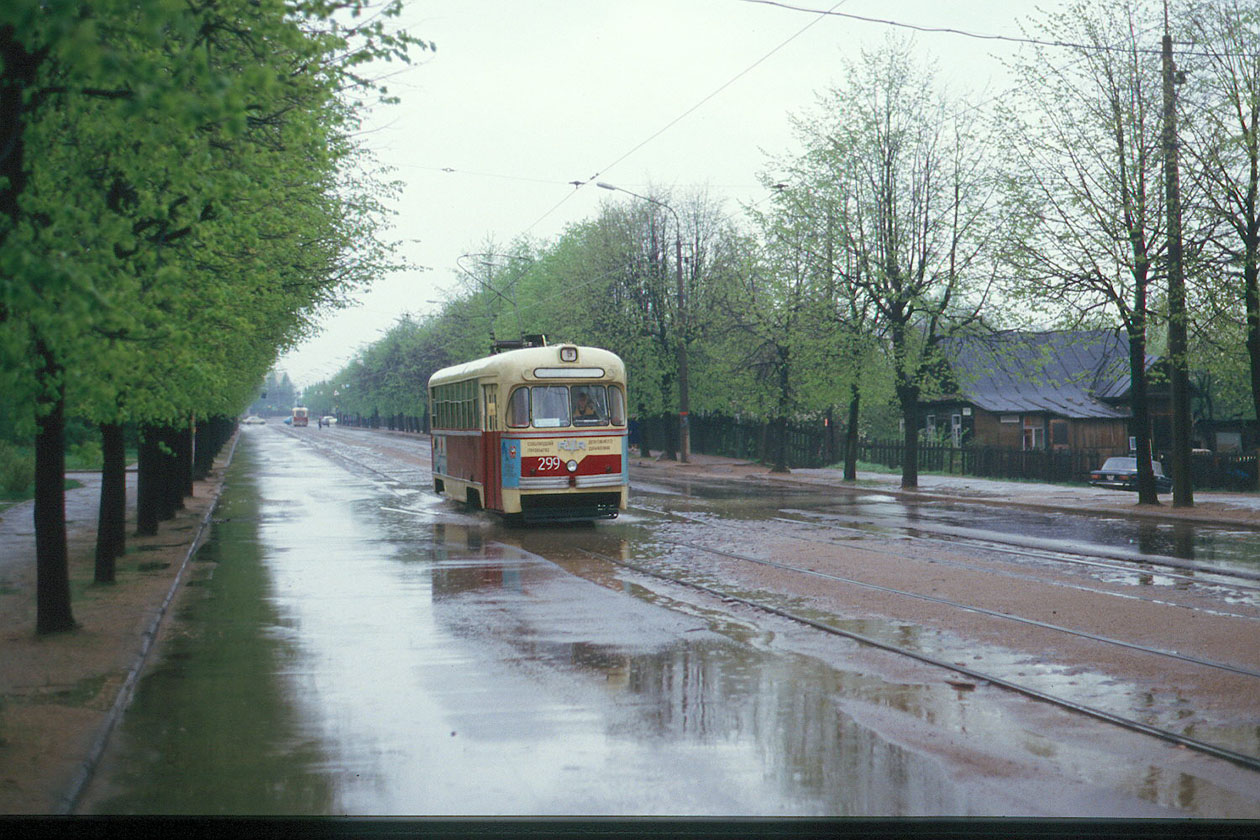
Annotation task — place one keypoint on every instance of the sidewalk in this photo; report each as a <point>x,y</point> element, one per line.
<point>1234,509</point>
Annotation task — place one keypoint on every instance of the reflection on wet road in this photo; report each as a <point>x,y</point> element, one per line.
<point>362,651</point>
<point>366,648</point>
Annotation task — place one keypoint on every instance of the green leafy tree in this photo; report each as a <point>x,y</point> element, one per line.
<point>1222,155</point>
<point>920,229</point>
<point>1090,185</point>
<point>137,286</point>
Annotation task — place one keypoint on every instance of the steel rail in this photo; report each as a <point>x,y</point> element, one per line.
<point>1012,542</point>
<point>1049,556</point>
<point>1207,663</point>
<point>1241,759</point>
<point>996,544</point>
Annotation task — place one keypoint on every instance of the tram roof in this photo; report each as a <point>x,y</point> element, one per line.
<point>523,364</point>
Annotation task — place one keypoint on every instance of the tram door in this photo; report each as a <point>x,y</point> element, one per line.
<point>490,447</point>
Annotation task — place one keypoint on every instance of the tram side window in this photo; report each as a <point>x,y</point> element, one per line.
<point>551,406</point>
<point>518,409</point>
<point>455,406</point>
<point>616,406</point>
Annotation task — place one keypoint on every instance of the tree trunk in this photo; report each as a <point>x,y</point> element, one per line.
<point>781,422</point>
<point>147,482</point>
<point>1251,291</point>
<point>851,436</point>
<point>1139,397</point>
<point>170,495</point>
<point>52,564</point>
<point>779,442</point>
<point>111,523</point>
<point>908,396</point>
<point>188,445</point>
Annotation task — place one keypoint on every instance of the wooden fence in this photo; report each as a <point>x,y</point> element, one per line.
<point>819,444</point>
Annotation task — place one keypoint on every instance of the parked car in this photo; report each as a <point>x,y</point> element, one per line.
<point>253,420</point>
<point>1120,473</point>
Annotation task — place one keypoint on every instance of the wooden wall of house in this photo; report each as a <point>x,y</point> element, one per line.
<point>1100,435</point>
<point>991,431</point>
<point>1091,434</point>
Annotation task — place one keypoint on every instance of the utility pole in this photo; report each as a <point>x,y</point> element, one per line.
<point>684,398</point>
<point>1183,489</point>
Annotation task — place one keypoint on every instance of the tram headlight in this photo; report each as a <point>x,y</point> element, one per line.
<point>571,466</point>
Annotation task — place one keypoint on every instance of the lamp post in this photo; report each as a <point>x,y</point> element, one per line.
<point>684,427</point>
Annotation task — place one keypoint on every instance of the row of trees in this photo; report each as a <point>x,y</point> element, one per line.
<point>904,218</point>
<point>180,195</point>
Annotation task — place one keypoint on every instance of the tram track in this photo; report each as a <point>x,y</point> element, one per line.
<point>1199,746</point>
<point>1045,581</point>
<point>1249,762</point>
<point>1208,578</point>
<point>1093,637</point>
<point>1009,544</point>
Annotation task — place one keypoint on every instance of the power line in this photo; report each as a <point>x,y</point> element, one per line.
<point>963,33</point>
<point>577,185</point>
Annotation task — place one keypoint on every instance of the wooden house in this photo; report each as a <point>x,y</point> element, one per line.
<point>1064,390</point>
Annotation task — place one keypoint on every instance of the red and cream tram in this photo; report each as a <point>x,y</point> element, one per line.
<point>536,433</point>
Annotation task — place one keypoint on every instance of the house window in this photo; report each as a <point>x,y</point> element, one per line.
<point>1059,433</point>
<point>1034,432</point>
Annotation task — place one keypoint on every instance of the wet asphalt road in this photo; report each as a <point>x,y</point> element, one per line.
<point>363,647</point>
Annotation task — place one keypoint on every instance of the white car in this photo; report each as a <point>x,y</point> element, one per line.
<point>253,420</point>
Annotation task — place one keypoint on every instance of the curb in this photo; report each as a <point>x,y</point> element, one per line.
<point>70,800</point>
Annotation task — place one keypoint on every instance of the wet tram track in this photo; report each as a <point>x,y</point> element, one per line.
<point>1210,582</point>
<point>352,453</point>
<point>686,579</point>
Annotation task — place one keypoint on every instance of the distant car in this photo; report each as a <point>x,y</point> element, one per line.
<point>253,420</point>
<point>328,420</point>
<point>1121,474</point>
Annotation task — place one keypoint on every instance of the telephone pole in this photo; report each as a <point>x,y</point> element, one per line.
<point>1183,490</point>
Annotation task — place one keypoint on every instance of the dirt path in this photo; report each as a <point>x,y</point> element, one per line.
<point>60,694</point>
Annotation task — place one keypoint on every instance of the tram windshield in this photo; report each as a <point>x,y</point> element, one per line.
<point>559,406</point>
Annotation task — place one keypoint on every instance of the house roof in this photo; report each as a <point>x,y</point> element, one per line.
<point>1073,374</point>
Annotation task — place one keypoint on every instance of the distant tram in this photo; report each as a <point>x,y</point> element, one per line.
<point>536,433</point>
<point>301,415</point>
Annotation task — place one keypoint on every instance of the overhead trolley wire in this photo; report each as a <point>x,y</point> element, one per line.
<point>577,185</point>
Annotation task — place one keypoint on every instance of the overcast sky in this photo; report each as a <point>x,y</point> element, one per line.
<point>523,97</point>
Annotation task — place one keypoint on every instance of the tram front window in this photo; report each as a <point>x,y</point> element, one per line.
<point>589,408</point>
<point>551,406</point>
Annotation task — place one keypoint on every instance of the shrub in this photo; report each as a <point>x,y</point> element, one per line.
<point>17,470</point>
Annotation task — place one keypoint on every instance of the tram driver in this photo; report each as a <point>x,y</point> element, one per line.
<point>586,412</point>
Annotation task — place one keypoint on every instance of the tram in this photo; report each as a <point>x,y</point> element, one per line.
<point>301,415</point>
<point>535,432</point>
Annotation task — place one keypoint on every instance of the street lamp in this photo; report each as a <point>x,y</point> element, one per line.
<point>684,427</point>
